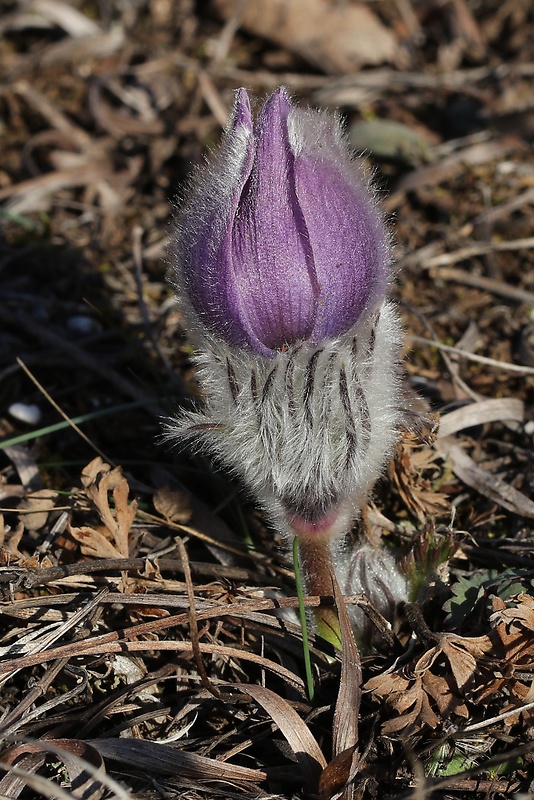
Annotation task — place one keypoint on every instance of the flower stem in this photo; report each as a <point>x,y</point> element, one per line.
<point>315,558</point>
<point>303,621</point>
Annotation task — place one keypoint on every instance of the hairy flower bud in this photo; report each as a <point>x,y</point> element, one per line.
<point>281,265</point>
<point>372,571</point>
<point>281,241</point>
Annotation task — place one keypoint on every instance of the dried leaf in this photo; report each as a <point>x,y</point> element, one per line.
<point>92,470</point>
<point>10,540</point>
<point>495,410</point>
<point>298,735</point>
<point>409,691</point>
<point>35,194</point>
<point>421,713</point>
<point>442,690</point>
<point>83,48</point>
<point>463,663</point>
<point>37,506</point>
<point>73,22</point>
<point>76,755</point>
<point>168,760</point>
<point>515,628</point>
<point>173,505</point>
<point>14,782</point>
<point>411,472</point>
<point>347,710</point>
<point>448,168</point>
<point>94,543</point>
<point>336,774</point>
<point>337,37</point>
<point>488,484</point>
<point>519,616</point>
<point>114,539</point>
<point>24,462</point>
<point>83,763</point>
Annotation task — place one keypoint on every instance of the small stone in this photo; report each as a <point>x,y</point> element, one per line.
<point>25,412</point>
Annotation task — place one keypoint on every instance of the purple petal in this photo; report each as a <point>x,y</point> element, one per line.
<point>281,241</point>
<point>242,115</point>
<point>272,264</point>
<point>203,243</point>
<point>347,242</point>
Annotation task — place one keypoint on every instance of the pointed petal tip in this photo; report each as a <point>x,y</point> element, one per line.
<point>242,114</point>
<point>282,93</point>
<point>277,106</point>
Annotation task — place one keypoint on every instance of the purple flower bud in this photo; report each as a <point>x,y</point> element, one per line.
<point>281,267</point>
<point>281,241</point>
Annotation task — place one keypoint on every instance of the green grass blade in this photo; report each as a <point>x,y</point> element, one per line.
<point>58,426</point>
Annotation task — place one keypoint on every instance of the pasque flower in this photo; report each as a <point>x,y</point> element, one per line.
<point>281,263</point>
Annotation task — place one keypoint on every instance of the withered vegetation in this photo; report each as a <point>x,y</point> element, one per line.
<point>149,644</point>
